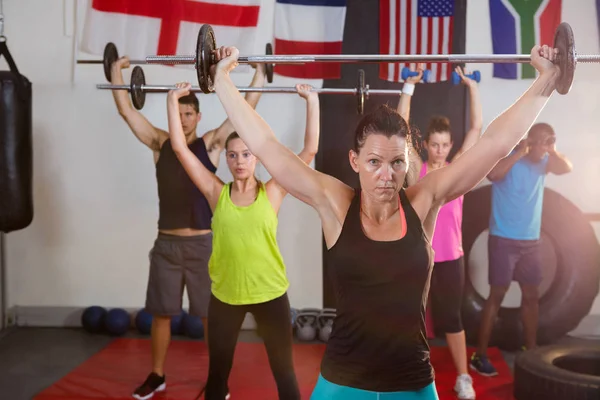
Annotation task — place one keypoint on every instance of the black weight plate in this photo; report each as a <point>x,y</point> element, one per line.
<point>138,96</point>
<point>564,41</point>
<point>110,56</point>
<point>360,91</point>
<point>269,66</point>
<point>205,57</point>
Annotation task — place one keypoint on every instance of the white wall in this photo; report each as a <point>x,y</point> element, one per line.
<point>94,185</point>
<point>95,194</point>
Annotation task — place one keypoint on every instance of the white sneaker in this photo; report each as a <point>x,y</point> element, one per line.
<point>464,387</point>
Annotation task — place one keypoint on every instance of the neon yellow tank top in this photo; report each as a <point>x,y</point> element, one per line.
<point>246,266</point>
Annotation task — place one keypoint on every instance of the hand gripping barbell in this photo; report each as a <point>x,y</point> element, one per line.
<point>138,89</point>
<point>204,58</point>
<point>111,55</point>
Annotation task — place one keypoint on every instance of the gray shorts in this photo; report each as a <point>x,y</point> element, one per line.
<point>514,260</point>
<point>177,262</point>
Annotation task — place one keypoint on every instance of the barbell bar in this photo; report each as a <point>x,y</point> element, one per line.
<point>204,58</point>
<point>138,89</point>
<point>111,55</point>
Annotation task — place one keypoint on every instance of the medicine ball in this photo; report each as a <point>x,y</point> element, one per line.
<point>92,319</point>
<point>193,327</point>
<point>117,321</point>
<point>177,323</point>
<point>143,321</point>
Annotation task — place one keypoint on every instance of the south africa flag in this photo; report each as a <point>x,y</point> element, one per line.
<point>517,26</point>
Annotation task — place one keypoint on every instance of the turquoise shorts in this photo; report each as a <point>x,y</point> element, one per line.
<point>325,390</point>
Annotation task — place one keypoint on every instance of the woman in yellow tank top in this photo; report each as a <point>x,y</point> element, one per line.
<point>246,267</point>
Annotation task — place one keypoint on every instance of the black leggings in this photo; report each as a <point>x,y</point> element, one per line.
<point>274,323</point>
<point>447,283</point>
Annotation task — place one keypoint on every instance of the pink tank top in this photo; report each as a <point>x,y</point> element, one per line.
<point>447,237</point>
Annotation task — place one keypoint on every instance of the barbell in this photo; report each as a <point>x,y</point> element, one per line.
<point>204,58</point>
<point>111,55</point>
<point>138,89</point>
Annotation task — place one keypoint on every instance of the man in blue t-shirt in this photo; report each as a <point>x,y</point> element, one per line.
<point>514,250</point>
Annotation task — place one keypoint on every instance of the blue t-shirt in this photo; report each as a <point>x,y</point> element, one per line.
<point>517,201</point>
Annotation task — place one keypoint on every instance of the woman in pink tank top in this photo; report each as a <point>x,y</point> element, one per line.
<point>448,277</point>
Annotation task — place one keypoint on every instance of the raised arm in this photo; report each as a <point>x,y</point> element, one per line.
<point>407,91</point>
<point>208,183</point>
<point>503,166</point>
<point>329,196</point>
<point>415,161</point>
<point>558,163</point>
<point>287,168</point>
<point>311,141</point>
<point>500,138</point>
<point>217,137</point>
<point>312,130</point>
<point>146,133</point>
<point>474,132</point>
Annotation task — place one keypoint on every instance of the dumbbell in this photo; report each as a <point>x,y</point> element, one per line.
<point>325,323</point>
<point>306,324</point>
<point>407,73</point>
<point>476,76</point>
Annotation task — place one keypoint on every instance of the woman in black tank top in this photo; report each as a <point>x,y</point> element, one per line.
<point>378,236</point>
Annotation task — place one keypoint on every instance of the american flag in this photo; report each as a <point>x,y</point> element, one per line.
<point>415,27</point>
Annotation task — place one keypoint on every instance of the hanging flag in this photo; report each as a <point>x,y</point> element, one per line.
<point>517,26</point>
<point>416,27</point>
<point>598,16</point>
<point>309,27</point>
<point>166,27</point>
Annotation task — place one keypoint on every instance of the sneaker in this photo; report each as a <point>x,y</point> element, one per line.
<point>482,365</point>
<point>153,383</point>
<point>464,387</point>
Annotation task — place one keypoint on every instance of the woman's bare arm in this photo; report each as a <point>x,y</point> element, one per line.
<point>474,132</point>
<point>407,91</point>
<point>328,195</point>
<point>284,166</point>
<point>218,136</point>
<point>311,141</point>
<point>414,159</point>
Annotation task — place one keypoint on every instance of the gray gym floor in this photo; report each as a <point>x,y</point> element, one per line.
<point>32,359</point>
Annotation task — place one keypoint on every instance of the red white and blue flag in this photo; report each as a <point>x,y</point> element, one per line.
<point>517,26</point>
<point>415,27</point>
<point>146,27</point>
<point>309,27</point>
<point>598,16</point>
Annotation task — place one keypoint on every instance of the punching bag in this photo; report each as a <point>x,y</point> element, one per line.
<point>16,153</point>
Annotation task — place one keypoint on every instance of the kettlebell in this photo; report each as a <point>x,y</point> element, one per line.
<point>306,323</point>
<point>325,323</point>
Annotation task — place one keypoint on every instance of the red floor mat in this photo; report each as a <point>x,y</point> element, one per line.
<point>116,370</point>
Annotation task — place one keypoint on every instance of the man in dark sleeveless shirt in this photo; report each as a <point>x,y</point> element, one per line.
<point>184,243</point>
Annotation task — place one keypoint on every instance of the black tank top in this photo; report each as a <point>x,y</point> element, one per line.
<point>181,204</point>
<point>378,342</point>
